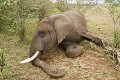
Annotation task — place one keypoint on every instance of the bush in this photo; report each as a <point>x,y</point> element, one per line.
<point>13,15</point>
<point>44,8</point>
<point>4,20</point>
<point>117,38</point>
<point>3,64</point>
<point>62,6</point>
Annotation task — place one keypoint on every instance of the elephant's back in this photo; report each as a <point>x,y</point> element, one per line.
<point>76,17</point>
<point>78,21</point>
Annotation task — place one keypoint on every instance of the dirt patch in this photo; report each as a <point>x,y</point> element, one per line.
<point>94,67</point>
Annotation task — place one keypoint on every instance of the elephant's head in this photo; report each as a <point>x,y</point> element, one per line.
<point>44,37</point>
<point>48,33</point>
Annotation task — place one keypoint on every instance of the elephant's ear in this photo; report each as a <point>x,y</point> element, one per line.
<point>62,27</point>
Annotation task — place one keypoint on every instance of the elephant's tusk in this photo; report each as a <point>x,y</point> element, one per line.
<point>30,59</point>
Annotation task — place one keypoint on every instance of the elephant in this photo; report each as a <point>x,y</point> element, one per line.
<point>65,30</point>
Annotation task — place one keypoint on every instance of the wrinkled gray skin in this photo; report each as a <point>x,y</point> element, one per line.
<point>66,30</point>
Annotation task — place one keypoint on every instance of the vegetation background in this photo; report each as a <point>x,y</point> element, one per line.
<point>18,19</point>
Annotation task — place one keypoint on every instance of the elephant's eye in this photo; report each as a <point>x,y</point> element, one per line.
<point>41,34</point>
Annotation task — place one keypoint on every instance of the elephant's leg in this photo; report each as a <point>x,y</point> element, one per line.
<point>74,50</point>
<point>90,37</point>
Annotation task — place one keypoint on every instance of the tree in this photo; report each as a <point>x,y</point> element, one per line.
<point>4,19</point>
<point>113,7</point>
<point>62,5</point>
<point>13,14</point>
<point>114,10</point>
<point>85,5</point>
<point>44,8</point>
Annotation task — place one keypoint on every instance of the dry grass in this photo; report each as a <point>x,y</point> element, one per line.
<point>92,65</point>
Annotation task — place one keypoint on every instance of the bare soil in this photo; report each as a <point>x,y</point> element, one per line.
<point>89,66</point>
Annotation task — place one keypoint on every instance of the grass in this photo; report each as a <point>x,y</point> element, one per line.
<point>94,64</point>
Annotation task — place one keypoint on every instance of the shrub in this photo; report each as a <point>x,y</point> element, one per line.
<point>117,38</point>
<point>62,6</point>
<point>3,65</point>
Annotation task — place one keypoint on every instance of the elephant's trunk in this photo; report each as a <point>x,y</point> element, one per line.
<point>48,69</point>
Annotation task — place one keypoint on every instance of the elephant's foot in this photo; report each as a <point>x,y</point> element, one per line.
<point>74,50</point>
<point>90,37</point>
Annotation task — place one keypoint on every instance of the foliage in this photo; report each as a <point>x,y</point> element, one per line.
<point>4,20</point>
<point>13,14</point>
<point>1,60</point>
<point>117,38</point>
<point>3,64</point>
<point>114,11</point>
<point>44,8</point>
<point>62,5</point>
<point>113,1</point>
<point>22,9</point>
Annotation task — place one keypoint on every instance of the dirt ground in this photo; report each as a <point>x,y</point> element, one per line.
<point>93,64</point>
<point>90,65</point>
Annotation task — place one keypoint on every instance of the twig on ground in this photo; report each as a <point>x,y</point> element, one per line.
<point>113,51</point>
<point>76,65</point>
